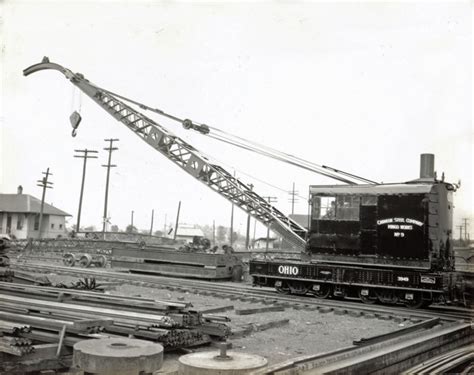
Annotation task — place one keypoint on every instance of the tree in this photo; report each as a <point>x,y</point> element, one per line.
<point>235,237</point>
<point>207,230</point>
<point>158,233</point>
<point>221,233</point>
<point>131,229</point>
<point>114,228</point>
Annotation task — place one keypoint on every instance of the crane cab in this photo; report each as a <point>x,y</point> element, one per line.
<point>405,225</point>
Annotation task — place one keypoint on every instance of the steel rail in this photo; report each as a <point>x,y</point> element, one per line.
<point>246,292</point>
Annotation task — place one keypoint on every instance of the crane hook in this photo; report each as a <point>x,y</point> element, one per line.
<point>75,120</point>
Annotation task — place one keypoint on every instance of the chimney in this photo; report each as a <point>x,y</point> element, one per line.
<point>19,190</point>
<point>427,166</point>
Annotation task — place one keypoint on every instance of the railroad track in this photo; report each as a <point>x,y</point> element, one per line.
<point>244,292</point>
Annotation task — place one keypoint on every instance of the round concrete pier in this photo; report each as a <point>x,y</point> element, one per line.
<point>228,363</point>
<point>117,356</point>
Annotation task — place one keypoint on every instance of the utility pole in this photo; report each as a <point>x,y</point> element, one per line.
<point>110,149</point>
<point>164,226</point>
<point>213,232</point>
<point>131,221</point>
<point>232,222</point>
<point>465,220</point>
<point>247,236</point>
<point>152,217</point>
<point>460,231</point>
<point>45,184</point>
<point>232,225</point>
<point>293,198</point>
<point>83,154</point>
<point>270,201</point>
<point>177,221</point>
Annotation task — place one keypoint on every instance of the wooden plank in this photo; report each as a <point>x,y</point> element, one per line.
<point>257,310</point>
<point>272,324</point>
<point>61,340</point>
<point>216,309</point>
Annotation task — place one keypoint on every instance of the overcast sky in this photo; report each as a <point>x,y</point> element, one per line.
<point>363,87</point>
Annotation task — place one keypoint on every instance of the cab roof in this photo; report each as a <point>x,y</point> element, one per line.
<point>370,189</point>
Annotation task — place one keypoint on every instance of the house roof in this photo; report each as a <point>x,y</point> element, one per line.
<point>25,203</point>
<point>265,239</point>
<point>189,232</point>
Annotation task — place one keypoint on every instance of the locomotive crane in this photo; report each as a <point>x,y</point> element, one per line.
<point>383,242</point>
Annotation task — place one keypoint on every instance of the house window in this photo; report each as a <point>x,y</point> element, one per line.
<point>36,226</point>
<point>60,226</point>
<point>19,222</point>
<point>52,225</point>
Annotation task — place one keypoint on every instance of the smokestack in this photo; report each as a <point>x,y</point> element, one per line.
<point>427,166</point>
<point>19,190</point>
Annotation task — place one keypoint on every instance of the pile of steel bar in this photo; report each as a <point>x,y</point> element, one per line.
<point>35,315</point>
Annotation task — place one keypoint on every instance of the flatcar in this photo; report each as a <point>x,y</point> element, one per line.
<point>390,243</point>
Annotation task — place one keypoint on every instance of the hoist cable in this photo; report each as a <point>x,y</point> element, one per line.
<point>283,160</point>
<point>270,152</point>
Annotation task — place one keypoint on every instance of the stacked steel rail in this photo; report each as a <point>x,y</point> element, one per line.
<point>32,316</point>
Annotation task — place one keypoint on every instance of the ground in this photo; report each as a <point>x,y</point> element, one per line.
<point>308,332</point>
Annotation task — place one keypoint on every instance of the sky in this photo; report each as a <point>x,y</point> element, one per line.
<point>365,87</point>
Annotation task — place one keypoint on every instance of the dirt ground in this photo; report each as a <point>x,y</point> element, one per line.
<point>308,332</point>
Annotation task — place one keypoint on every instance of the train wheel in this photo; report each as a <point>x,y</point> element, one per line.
<point>281,287</point>
<point>69,260</point>
<point>367,296</point>
<point>85,260</point>
<point>414,300</point>
<point>387,297</point>
<point>321,291</point>
<point>101,261</point>
<point>298,288</point>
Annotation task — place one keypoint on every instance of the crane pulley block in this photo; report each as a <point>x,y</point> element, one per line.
<point>75,120</point>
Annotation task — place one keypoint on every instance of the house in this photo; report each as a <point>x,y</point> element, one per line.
<point>20,213</point>
<point>261,243</point>
<point>188,232</point>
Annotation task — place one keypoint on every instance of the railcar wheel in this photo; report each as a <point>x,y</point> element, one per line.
<point>101,261</point>
<point>281,287</point>
<point>298,288</point>
<point>69,260</point>
<point>323,291</point>
<point>414,303</point>
<point>387,297</point>
<point>85,260</point>
<point>283,290</point>
<point>367,296</point>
